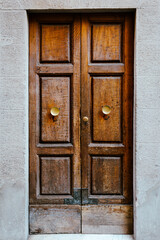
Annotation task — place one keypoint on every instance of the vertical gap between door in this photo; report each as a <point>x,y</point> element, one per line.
<point>80,109</point>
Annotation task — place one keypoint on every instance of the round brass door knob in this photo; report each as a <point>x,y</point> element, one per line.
<point>85,119</point>
<point>54,111</point>
<point>106,109</point>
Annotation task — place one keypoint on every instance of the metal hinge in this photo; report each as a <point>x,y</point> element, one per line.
<point>76,200</point>
<point>80,197</point>
<point>86,199</point>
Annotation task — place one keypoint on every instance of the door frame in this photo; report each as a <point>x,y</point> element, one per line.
<point>133,77</point>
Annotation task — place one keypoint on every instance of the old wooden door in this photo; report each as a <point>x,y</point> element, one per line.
<point>81,104</point>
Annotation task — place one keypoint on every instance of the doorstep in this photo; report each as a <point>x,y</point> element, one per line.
<point>80,237</point>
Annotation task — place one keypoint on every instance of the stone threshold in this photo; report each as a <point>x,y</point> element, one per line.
<point>80,237</point>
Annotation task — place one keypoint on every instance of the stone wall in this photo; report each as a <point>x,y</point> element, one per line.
<point>14,111</point>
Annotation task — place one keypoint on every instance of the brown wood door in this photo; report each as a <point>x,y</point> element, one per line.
<point>81,101</point>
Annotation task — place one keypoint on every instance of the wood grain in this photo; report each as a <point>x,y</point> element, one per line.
<point>103,81</point>
<point>106,68</point>
<point>111,219</point>
<point>106,42</point>
<point>51,79</point>
<point>55,43</point>
<point>106,91</point>
<point>54,219</point>
<point>81,62</point>
<point>106,175</point>
<point>54,69</point>
<point>55,175</point>
<point>55,92</point>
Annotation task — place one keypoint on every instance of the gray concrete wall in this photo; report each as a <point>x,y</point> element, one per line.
<point>14,112</point>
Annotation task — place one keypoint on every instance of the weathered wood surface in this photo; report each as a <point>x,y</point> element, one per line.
<point>106,175</point>
<point>54,82</point>
<point>80,62</point>
<point>106,91</point>
<point>55,175</point>
<point>55,92</point>
<point>55,43</point>
<point>106,42</point>
<point>107,79</point>
<point>55,219</point>
<point>115,219</point>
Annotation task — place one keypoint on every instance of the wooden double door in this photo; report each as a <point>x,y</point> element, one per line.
<point>81,100</point>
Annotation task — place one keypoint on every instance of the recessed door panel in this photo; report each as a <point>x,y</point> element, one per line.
<point>55,176</point>
<point>107,42</point>
<point>55,43</point>
<point>106,175</point>
<point>55,92</point>
<point>106,95</point>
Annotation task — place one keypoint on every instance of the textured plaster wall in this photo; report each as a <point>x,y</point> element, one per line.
<point>13,125</point>
<point>147,128</point>
<point>14,112</point>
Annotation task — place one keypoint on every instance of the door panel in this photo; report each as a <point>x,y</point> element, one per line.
<point>109,49</point>
<point>55,175</point>
<point>81,101</point>
<point>107,219</point>
<point>55,219</point>
<point>55,165</point>
<point>106,92</point>
<point>106,175</point>
<point>106,139</point>
<point>55,92</point>
<point>55,43</point>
